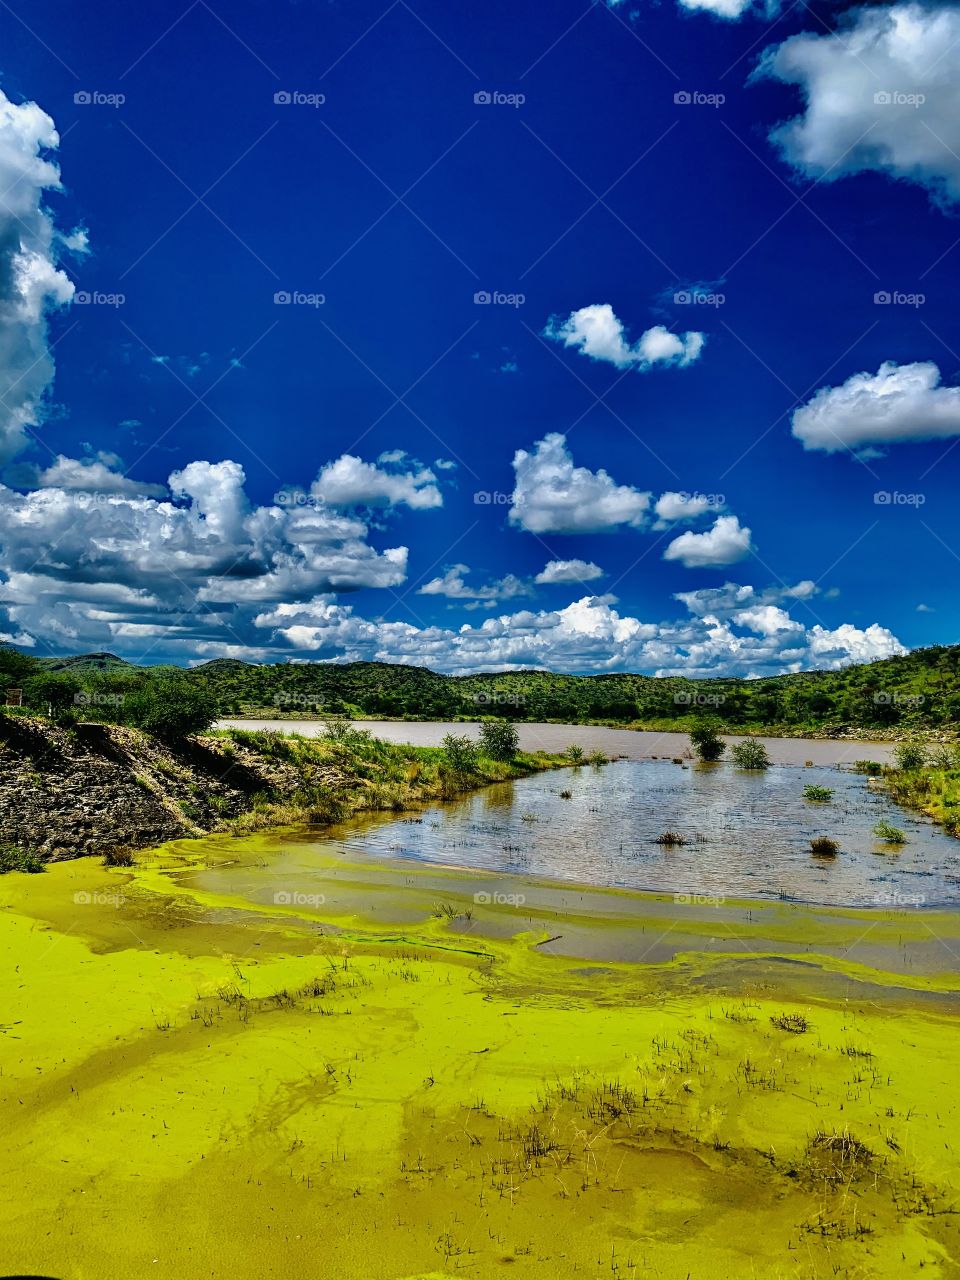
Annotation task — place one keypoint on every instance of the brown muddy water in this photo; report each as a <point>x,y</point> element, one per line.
<point>631,744</point>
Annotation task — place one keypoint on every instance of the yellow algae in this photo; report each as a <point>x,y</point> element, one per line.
<point>197,1084</point>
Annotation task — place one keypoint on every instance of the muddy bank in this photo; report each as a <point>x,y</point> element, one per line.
<point>197,1084</point>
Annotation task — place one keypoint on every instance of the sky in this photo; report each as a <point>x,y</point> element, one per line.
<point>604,335</point>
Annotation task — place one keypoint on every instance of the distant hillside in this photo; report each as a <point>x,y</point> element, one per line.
<point>918,690</point>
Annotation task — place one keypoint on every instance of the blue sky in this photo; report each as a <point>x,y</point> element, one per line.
<point>255,404</point>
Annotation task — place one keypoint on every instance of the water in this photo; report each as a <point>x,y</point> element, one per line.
<point>748,835</point>
<point>632,744</point>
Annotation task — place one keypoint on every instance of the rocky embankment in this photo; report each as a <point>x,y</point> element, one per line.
<point>98,789</point>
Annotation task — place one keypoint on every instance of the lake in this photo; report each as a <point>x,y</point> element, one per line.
<point>631,744</point>
<point>747,836</point>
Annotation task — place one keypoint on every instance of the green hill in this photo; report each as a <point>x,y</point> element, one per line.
<point>918,690</point>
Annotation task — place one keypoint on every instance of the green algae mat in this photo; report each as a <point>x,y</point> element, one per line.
<point>408,1086</point>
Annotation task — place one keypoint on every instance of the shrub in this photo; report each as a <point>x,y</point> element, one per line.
<point>460,753</point>
<point>888,833</point>
<point>597,757</point>
<point>706,741</point>
<point>909,755</point>
<point>499,739</point>
<point>171,705</point>
<point>575,754</point>
<point>750,754</point>
<point>13,859</point>
<point>822,794</point>
<point>870,767</point>
<point>119,858</point>
<point>824,847</point>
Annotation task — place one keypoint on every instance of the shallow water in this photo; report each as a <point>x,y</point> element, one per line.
<point>631,744</point>
<point>748,835</point>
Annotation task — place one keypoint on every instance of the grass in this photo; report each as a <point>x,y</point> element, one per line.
<point>795,1023</point>
<point>824,847</point>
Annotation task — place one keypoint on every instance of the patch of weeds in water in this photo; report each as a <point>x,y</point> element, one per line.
<point>529,817</point>
<point>856,1050</point>
<point>119,858</point>
<point>824,847</point>
<point>888,833</point>
<point>870,767</point>
<point>566,795</point>
<point>819,794</point>
<point>795,1023</point>
<point>670,839</point>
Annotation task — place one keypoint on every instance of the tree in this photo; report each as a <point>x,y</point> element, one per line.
<point>706,741</point>
<point>750,754</point>
<point>54,693</point>
<point>499,740</point>
<point>171,705</point>
<point>461,753</point>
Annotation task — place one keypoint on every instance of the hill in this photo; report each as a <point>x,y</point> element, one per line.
<point>918,690</point>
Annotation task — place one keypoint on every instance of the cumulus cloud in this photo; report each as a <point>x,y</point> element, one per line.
<point>453,586</point>
<point>590,634</point>
<point>898,402</point>
<point>351,482</point>
<point>882,93</point>
<point>551,495</point>
<point>82,565</point>
<point>598,333</point>
<point>732,598</point>
<point>725,543</point>
<point>31,281</point>
<point>93,475</point>
<point>678,508</point>
<point>558,571</point>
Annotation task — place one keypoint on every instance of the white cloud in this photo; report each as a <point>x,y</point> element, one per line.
<point>674,508</point>
<point>882,93</point>
<point>597,332</point>
<point>730,599</point>
<point>93,475</point>
<point>351,482</point>
<point>31,282</point>
<point>588,635</point>
<point>766,620</point>
<point>559,571</point>
<point>726,543</point>
<point>551,495</point>
<point>898,402</point>
<point>730,9</point>
<point>453,587</point>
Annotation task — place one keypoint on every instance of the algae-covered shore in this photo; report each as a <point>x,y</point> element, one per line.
<point>410,1083</point>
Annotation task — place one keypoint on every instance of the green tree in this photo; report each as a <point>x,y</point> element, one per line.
<point>499,740</point>
<point>171,705</point>
<point>706,741</point>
